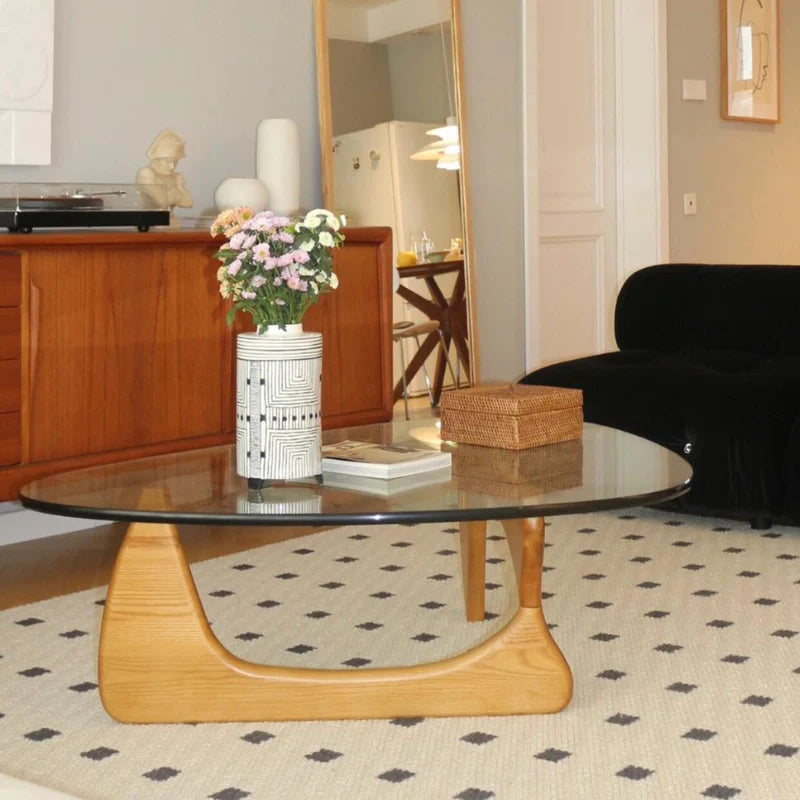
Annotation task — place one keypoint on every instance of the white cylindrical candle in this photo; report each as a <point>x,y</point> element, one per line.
<point>278,163</point>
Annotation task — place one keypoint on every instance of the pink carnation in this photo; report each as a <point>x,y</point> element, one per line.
<point>261,252</point>
<point>297,283</point>
<point>263,221</point>
<point>248,295</point>
<point>300,256</point>
<point>285,260</point>
<point>236,240</point>
<point>234,267</point>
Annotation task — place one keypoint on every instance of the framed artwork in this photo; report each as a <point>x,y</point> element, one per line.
<point>751,60</point>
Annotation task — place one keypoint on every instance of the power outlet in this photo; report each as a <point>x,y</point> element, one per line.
<point>690,203</point>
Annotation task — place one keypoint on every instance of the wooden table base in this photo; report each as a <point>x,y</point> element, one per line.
<point>160,662</point>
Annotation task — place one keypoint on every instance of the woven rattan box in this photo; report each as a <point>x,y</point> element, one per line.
<point>511,415</point>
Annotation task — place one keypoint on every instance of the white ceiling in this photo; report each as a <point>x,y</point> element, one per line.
<point>380,20</point>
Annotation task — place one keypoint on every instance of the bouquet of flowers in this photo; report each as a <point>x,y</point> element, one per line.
<point>275,268</point>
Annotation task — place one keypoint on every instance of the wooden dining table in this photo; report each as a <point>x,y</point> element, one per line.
<point>451,314</point>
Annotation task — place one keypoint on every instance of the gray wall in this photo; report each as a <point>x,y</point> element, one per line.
<point>124,71</point>
<point>745,174</point>
<point>209,69</point>
<point>361,94</point>
<point>492,45</point>
<point>419,82</point>
<point>374,83</point>
<point>493,72</point>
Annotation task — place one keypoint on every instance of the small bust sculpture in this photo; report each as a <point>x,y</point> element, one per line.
<point>164,153</point>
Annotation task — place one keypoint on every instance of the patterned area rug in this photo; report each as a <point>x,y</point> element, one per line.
<point>683,635</point>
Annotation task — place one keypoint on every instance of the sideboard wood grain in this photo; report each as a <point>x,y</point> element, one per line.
<point>121,348</point>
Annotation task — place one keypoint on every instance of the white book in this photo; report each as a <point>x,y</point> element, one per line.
<point>383,487</point>
<point>371,460</point>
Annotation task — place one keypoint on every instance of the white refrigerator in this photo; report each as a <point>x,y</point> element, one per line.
<point>377,183</point>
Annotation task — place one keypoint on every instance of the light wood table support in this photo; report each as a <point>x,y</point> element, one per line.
<point>160,662</point>
<point>473,569</point>
<point>526,543</point>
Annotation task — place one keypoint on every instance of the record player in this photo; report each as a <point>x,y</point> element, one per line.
<point>25,206</point>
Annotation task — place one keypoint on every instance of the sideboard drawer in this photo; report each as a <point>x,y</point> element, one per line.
<point>10,448</point>
<point>9,333</point>
<point>10,280</point>
<point>10,385</point>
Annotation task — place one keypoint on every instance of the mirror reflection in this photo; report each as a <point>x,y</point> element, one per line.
<point>396,161</point>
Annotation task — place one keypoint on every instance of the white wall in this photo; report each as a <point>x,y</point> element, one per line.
<point>209,69</point>
<point>743,173</point>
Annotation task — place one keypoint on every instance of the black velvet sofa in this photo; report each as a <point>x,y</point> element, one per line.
<point>709,366</point>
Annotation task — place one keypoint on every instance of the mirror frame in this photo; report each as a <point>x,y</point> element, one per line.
<point>326,154</point>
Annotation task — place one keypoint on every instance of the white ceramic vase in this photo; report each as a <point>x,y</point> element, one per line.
<point>278,405</point>
<point>235,192</point>
<point>278,163</point>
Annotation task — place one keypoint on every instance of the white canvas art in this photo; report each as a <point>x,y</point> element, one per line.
<point>26,80</point>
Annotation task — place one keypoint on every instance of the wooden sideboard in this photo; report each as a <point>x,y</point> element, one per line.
<point>113,345</point>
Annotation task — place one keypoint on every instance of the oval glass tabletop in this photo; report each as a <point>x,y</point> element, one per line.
<point>605,469</point>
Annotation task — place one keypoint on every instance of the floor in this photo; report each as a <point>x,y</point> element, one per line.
<point>71,562</point>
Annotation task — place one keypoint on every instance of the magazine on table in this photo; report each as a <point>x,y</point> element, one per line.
<point>386,461</point>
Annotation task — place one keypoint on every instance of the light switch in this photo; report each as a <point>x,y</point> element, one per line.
<point>694,89</point>
<point>690,203</point>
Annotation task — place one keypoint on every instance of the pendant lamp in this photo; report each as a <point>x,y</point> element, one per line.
<point>446,151</point>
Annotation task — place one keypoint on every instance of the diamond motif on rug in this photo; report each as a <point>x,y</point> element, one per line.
<point>687,707</point>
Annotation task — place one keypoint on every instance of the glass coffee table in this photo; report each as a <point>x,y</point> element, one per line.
<point>159,660</point>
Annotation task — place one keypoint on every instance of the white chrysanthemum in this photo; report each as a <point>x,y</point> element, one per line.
<point>312,220</point>
<point>325,239</point>
<point>308,245</point>
<point>334,280</point>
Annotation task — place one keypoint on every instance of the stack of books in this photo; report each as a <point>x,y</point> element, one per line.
<point>384,469</point>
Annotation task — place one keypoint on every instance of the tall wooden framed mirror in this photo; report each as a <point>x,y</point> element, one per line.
<point>394,152</point>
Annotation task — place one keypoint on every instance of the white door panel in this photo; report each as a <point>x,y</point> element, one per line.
<point>570,277</point>
<point>577,221</point>
<point>595,155</point>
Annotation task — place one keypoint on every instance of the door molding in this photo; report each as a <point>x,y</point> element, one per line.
<point>642,228</point>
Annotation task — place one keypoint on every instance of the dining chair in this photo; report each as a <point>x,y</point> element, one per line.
<point>413,330</point>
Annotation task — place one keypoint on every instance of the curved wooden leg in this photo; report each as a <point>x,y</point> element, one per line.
<point>473,569</point>
<point>160,662</point>
<point>526,544</point>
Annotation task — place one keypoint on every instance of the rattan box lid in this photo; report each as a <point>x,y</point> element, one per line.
<point>512,399</point>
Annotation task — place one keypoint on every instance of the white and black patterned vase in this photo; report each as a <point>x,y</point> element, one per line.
<point>278,394</point>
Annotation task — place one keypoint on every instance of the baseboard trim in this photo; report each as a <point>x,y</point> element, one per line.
<point>18,524</point>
